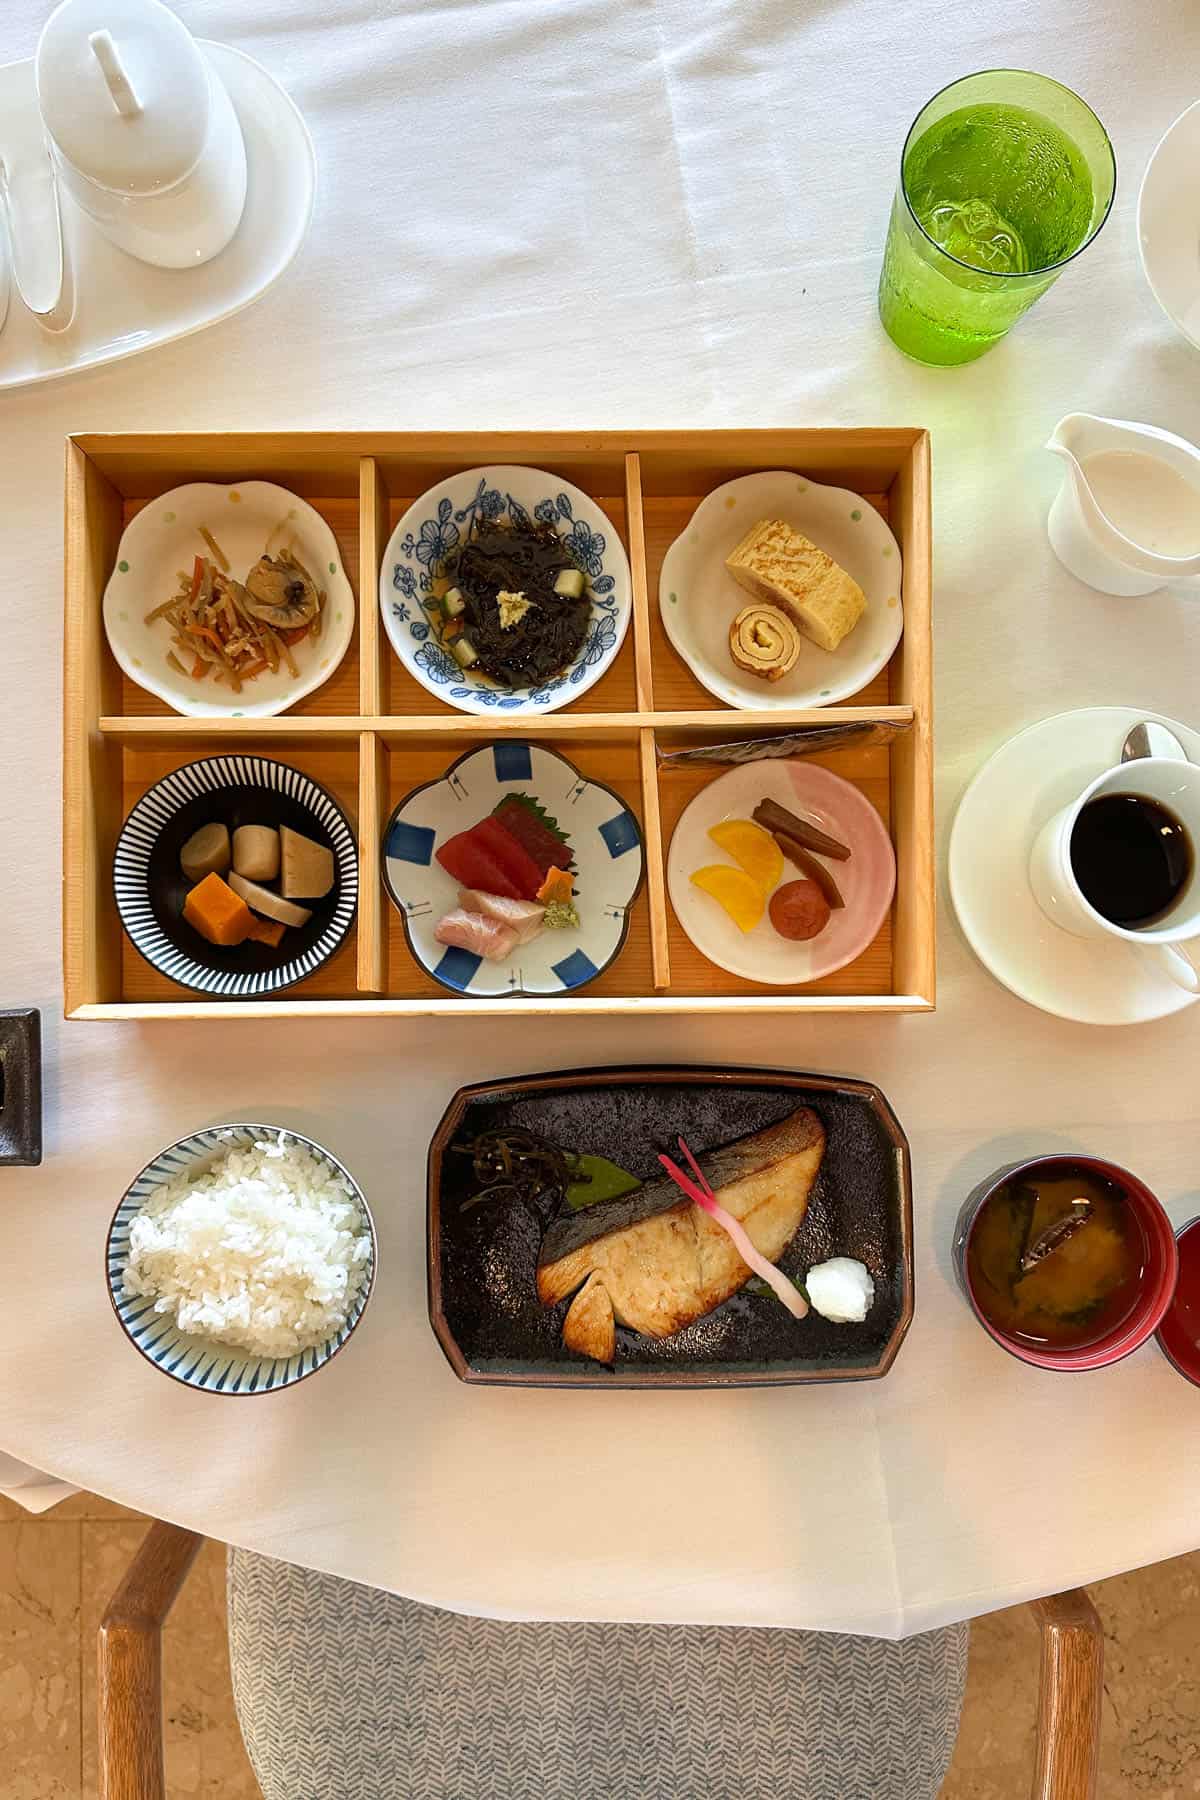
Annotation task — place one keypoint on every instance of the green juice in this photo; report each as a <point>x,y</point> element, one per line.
<point>1008,197</point>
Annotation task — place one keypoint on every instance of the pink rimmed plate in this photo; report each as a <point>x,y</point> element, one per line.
<point>866,881</point>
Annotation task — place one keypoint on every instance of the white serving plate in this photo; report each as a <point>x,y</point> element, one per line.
<point>244,517</point>
<point>698,597</point>
<point>606,847</point>
<point>1020,786</point>
<point>1168,221</point>
<point>124,305</point>
<point>434,526</point>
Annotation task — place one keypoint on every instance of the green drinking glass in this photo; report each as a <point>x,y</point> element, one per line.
<point>1006,176</point>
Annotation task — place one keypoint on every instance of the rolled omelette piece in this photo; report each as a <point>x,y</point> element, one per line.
<point>764,642</point>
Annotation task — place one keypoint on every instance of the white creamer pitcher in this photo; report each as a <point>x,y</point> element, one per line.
<point>1127,517</point>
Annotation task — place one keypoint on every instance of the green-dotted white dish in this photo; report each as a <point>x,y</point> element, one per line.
<point>698,597</point>
<point>246,518</point>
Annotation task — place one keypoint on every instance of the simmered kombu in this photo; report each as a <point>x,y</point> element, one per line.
<point>519,558</point>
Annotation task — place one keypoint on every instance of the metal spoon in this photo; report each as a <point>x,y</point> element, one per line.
<point>1150,739</point>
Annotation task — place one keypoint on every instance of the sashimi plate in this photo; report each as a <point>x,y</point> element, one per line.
<point>483,1301</point>
<point>607,855</point>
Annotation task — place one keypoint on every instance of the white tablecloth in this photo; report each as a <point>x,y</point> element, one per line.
<point>565,212</point>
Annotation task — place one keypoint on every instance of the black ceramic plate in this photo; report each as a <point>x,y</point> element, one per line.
<point>482,1299</point>
<point>150,886</point>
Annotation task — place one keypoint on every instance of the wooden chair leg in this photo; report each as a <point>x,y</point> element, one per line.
<point>130,1665</point>
<point>1069,1696</point>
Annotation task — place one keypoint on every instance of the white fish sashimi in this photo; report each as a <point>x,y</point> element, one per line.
<point>471,931</point>
<point>524,917</point>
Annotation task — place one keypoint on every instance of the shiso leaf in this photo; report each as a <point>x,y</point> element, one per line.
<point>539,812</point>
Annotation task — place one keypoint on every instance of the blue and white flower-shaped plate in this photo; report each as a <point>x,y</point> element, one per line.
<point>433,528</point>
<point>606,845</point>
<point>197,1361</point>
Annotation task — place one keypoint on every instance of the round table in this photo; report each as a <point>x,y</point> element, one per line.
<point>700,247</point>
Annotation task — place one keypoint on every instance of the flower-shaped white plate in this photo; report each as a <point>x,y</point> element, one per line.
<point>246,519</point>
<point>1169,223</point>
<point>439,521</point>
<point>866,881</point>
<point>606,845</point>
<point>699,598</point>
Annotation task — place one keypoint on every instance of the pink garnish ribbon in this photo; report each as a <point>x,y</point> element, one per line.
<point>700,1191</point>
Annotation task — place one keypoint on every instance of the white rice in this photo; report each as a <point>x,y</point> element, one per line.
<point>267,1250</point>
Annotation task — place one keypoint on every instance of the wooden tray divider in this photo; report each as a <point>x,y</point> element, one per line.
<point>635,529</point>
<point>456,731</point>
<point>656,881</point>
<point>172,730</point>
<point>372,811</point>
<point>91,797</point>
<point>373,535</point>
<point>914,934</point>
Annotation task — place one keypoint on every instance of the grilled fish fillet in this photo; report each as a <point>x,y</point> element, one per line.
<point>655,1262</point>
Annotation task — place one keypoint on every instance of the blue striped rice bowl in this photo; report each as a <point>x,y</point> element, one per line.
<point>198,1362</point>
<point>134,883</point>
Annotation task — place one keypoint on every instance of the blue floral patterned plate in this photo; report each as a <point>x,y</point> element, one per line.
<point>606,847</point>
<point>436,524</point>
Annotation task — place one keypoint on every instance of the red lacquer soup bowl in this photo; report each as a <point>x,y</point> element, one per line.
<point>1153,1284</point>
<point>1179,1333</point>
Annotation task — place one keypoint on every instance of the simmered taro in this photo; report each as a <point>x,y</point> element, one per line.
<point>517,607</point>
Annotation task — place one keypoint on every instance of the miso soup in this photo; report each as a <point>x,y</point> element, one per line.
<point>1078,1291</point>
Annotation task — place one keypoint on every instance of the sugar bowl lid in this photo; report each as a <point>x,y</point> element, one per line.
<point>123,92</point>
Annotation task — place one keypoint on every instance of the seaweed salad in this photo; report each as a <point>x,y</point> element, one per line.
<point>516,606</point>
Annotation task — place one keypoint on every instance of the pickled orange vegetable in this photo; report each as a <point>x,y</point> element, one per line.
<point>752,848</point>
<point>733,890</point>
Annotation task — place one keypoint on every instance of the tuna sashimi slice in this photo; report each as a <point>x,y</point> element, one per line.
<point>471,931</point>
<point>522,916</point>
<point>514,859</point>
<point>475,867</point>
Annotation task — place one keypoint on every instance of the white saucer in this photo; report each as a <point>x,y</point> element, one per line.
<point>124,305</point>
<point>1001,813</point>
<point>1169,223</point>
<point>698,597</point>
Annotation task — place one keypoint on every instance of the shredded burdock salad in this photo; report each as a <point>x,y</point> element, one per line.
<point>236,631</point>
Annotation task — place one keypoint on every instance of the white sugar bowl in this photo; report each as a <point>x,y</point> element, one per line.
<point>142,130</point>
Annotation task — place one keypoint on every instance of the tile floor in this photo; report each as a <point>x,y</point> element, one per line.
<point>57,1571</point>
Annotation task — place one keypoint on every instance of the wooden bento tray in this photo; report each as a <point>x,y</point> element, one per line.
<point>372,732</point>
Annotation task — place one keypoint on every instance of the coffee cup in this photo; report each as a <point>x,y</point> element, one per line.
<point>1119,863</point>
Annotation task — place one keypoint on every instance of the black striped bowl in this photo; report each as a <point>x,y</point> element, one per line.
<point>196,1361</point>
<point>150,885</point>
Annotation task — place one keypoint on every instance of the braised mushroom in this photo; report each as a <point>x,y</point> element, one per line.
<point>280,592</point>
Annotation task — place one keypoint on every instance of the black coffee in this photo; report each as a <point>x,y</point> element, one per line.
<point>1131,857</point>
